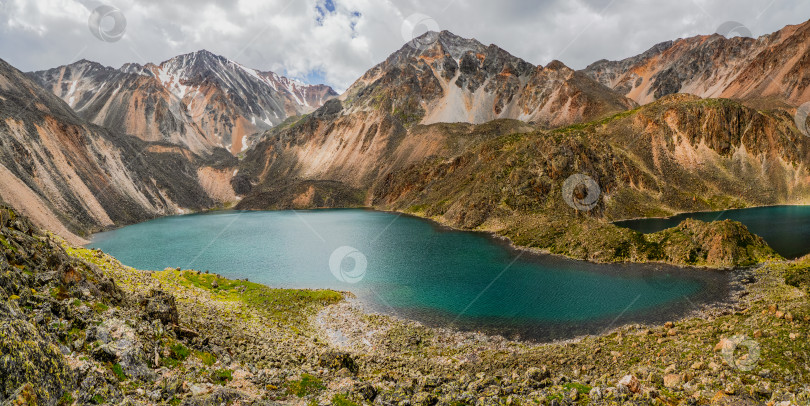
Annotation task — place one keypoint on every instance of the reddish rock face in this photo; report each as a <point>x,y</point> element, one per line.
<point>200,101</point>
<point>71,177</point>
<point>772,69</point>
<point>453,79</point>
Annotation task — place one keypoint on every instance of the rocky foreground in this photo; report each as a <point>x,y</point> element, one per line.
<point>77,327</point>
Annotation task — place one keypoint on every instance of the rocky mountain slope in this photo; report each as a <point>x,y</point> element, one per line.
<point>390,117</point>
<point>454,79</point>
<point>73,177</point>
<point>679,154</point>
<point>198,100</point>
<point>772,69</point>
<point>79,328</point>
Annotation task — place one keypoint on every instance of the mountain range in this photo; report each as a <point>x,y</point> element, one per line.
<point>199,100</point>
<point>452,129</point>
<point>772,68</point>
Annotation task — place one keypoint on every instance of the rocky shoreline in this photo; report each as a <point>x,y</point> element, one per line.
<point>80,328</point>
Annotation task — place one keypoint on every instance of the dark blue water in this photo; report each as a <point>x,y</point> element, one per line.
<point>785,228</point>
<point>416,269</point>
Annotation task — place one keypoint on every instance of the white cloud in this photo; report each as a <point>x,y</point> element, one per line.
<point>292,37</point>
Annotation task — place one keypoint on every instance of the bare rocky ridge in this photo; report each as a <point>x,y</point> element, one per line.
<point>73,177</point>
<point>447,78</point>
<point>770,70</point>
<point>199,100</point>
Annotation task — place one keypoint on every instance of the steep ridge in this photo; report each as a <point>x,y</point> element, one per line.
<point>389,118</point>
<point>72,177</point>
<point>772,69</point>
<point>197,100</point>
<point>447,78</point>
<point>679,154</point>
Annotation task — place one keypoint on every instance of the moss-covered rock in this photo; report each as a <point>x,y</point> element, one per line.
<point>26,358</point>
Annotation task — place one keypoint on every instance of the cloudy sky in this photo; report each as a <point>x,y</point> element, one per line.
<point>335,41</point>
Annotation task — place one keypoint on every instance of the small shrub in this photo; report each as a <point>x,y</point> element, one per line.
<point>221,376</point>
<point>66,399</point>
<point>207,358</point>
<point>341,400</point>
<point>119,372</point>
<point>180,352</point>
<point>305,386</point>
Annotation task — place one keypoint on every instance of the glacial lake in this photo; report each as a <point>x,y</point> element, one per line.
<point>785,228</point>
<point>416,269</point>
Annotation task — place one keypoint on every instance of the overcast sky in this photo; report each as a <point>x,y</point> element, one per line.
<point>336,41</point>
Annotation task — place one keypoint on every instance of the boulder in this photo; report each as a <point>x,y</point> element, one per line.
<point>672,380</point>
<point>337,360</point>
<point>630,382</point>
<point>537,374</point>
<point>159,305</point>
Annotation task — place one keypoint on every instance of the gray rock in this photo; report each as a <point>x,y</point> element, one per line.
<point>161,306</point>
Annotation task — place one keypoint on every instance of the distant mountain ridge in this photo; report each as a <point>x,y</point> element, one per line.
<point>198,100</point>
<point>73,177</point>
<point>773,67</point>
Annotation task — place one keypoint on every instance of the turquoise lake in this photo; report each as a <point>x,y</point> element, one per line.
<point>785,228</point>
<point>416,269</point>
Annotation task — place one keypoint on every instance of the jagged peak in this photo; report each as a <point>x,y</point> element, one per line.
<point>557,65</point>
<point>89,63</point>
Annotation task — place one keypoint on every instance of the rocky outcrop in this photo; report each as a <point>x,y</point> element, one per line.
<point>38,275</point>
<point>199,101</point>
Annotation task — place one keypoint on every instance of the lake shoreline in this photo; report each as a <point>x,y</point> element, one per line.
<point>529,301</point>
<point>492,234</point>
<point>367,358</point>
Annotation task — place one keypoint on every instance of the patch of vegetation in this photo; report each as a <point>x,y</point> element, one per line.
<point>66,399</point>
<point>286,306</point>
<point>206,358</point>
<point>119,372</point>
<point>582,389</point>
<point>342,400</point>
<point>100,307</point>
<point>221,376</point>
<point>307,385</point>
<point>798,274</point>
<point>177,354</point>
<point>180,352</point>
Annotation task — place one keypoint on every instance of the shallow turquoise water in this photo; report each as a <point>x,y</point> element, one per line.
<point>785,228</point>
<point>416,269</point>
